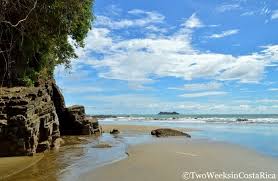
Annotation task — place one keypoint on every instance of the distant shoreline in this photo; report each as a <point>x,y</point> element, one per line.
<point>168,113</point>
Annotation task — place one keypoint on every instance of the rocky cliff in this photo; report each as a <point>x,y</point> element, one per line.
<point>31,119</point>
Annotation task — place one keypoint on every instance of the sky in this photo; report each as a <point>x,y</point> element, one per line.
<point>189,56</point>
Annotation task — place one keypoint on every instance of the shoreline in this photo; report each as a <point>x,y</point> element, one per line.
<point>174,155</point>
<point>125,128</point>
<point>171,156</point>
<point>168,158</point>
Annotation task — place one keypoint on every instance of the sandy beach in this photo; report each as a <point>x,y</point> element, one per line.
<point>134,128</point>
<point>167,159</point>
<point>10,166</point>
<point>159,159</point>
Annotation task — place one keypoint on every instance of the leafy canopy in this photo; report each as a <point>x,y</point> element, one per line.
<point>34,36</point>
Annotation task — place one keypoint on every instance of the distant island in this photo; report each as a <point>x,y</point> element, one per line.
<point>168,113</point>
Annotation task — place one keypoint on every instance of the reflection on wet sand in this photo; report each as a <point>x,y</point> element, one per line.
<point>51,166</point>
<point>79,154</point>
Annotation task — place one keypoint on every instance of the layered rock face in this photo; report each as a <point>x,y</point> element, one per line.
<point>73,120</point>
<point>31,119</point>
<point>29,122</point>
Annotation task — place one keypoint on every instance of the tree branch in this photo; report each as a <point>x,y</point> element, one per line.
<point>20,21</point>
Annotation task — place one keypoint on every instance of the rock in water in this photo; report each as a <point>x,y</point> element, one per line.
<point>102,145</point>
<point>164,132</point>
<point>114,131</point>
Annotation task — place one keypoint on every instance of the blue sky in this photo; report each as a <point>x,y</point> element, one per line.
<point>190,56</point>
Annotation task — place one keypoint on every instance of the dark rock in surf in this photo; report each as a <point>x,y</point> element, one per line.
<point>102,145</point>
<point>165,132</point>
<point>114,131</point>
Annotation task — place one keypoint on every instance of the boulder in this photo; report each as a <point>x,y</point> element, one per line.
<point>102,145</point>
<point>57,143</point>
<point>164,132</point>
<point>114,131</point>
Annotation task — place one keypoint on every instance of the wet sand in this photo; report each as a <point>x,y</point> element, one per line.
<point>41,167</point>
<point>167,160</point>
<point>157,159</point>
<point>135,128</point>
<point>10,166</point>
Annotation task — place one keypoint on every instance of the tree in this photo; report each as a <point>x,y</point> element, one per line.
<point>34,37</point>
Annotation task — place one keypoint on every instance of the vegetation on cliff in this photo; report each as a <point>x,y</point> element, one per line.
<point>35,37</point>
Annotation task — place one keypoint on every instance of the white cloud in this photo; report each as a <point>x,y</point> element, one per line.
<point>153,28</point>
<point>149,18</point>
<point>204,94</point>
<point>248,13</point>
<point>274,14</point>
<point>224,34</point>
<point>267,101</point>
<point>193,22</point>
<point>265,11</point>
<point>141,103</point>
<point>244,106</point>
<point>273,89</point>
<point>228,7</point>
<point>113,10</point>
<point>139,60</point>
<point>81,89</point>
<point>169,52</point>
<point>97,40</point>
<point>136,11</point>
<point>200,87</point>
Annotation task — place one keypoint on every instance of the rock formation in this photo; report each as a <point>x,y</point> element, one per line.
<point>75,122</point>
<point>164,132</point>
<point>29,122</point>
<point>32,118</point>
<point>114,131</point>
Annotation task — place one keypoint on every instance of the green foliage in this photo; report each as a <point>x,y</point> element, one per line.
<point>34,35</point>
<point>29,77</point>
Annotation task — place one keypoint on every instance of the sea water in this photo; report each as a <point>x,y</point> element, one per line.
<point>258,132</point>
<point>93,157</point>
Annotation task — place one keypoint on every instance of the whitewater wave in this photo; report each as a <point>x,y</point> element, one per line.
<point>196,120</point>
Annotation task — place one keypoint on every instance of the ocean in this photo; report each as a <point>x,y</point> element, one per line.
<point>258,131</point>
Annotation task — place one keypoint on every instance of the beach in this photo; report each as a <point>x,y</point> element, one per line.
<point>170,158</point>
<point>149,159</point>
<point>135,128</point>
<point>118,90</point>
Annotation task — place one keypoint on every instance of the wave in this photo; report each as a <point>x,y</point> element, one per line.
<point>196,120</point>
